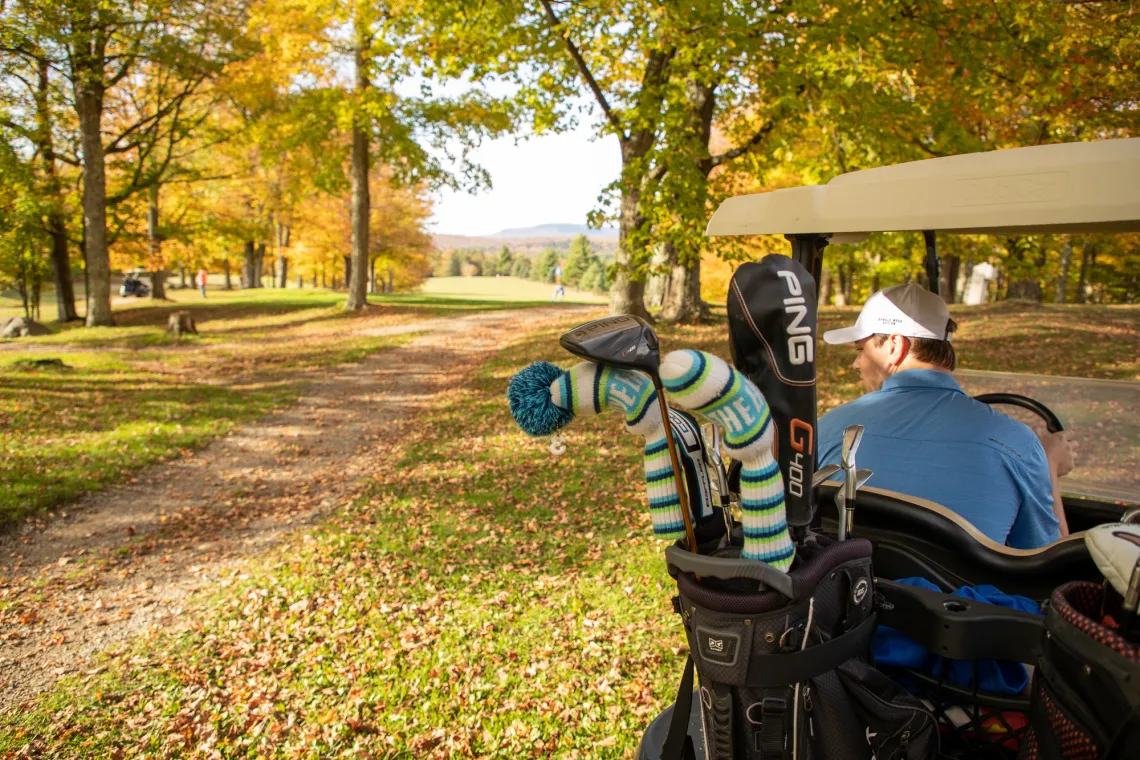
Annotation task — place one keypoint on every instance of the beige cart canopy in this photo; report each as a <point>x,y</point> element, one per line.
<point>1064,188</point>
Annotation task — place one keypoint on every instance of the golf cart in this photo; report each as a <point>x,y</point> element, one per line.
<point>133,285</point>
<point>1068,188</point>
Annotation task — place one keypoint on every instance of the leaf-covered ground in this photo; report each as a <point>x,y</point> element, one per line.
<point>483,599</point>
<point>132,395</point>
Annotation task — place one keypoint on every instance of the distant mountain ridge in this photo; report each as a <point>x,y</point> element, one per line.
<point>555,230</point>
<point>531,240</point>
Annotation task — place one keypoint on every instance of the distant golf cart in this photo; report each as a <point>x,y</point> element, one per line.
<point>133,285</point>
<point>1070,188</point>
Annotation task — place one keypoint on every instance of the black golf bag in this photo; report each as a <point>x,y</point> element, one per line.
<point>1086,688</point>
<point>783,665</point>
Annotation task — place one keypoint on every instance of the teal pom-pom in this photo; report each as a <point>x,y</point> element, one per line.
<point>529,397</point>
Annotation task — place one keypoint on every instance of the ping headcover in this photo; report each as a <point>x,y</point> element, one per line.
<point>544,398</point>
<point>706,384</point>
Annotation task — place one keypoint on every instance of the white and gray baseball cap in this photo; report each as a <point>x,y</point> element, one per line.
<point>909,310</point>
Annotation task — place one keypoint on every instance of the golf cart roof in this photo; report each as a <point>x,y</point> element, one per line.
<point>1068,187</point>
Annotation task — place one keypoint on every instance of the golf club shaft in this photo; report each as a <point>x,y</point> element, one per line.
<point>682,495</point>
<point>849,502</point>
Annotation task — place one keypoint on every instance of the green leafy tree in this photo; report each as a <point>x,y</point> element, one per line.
<point>593,279</point>
<point>578,262</point>
<point>506,262</point>
<point>544,265</point>
<point>521,267</point>
<point>454,264</point>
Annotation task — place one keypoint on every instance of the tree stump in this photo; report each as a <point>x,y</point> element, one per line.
<point>22,327</point>
<point>181,322</point>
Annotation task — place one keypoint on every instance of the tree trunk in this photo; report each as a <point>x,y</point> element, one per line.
<point>155,263</point>
<point>682,302</point>
<point>89,109</point>
<point>825,286</point>
<point>356,275</point>
<point>226,272</point>
<point>300,282</point>
<point>627,296</point>
<point>841,274</point>
<point>372,286</point>
<point>964,273</point>
<point>948,280</point>
<point>876,260</point>
<point>390,287</point>
<point>1063,277</point>
<point>249,261</point>
<point>282,271</point>
<point>259,269</point>
<point>661,265</point>
<point>158,285</point>
<point>61,269</point>
<point>56,225</point>
<point>182,276</point>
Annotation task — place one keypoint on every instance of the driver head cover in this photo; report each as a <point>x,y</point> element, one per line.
<point>908,310</point>
<point>1115,548</point>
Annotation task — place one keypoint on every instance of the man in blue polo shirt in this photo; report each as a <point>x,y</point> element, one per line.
<point>925,437</point>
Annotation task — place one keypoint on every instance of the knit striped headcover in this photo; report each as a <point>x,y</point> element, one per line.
<point>706,384</point>
<point>588,388</point>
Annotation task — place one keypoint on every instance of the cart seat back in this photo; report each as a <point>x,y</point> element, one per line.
<point>917,537</point>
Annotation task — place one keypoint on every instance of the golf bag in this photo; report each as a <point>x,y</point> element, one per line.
<point>1086,688</point>
<point>784,673</point>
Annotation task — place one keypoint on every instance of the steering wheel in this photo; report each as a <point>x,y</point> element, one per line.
<point>1052,422</point>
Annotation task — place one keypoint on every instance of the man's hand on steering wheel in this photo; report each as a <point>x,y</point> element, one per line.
<point>1060,450</point>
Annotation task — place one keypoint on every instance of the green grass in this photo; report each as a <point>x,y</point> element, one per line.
<point>484,600</point>
<point>504,289</point>
<point>132,395</point>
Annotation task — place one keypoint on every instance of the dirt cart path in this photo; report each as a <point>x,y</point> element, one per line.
<point>128,558</point>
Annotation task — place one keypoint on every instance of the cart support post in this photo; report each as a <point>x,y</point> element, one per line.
<point>933,262</point>
<point>808,251</point>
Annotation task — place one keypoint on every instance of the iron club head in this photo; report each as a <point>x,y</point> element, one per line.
<point>852,437</point>
<point>824,473</point>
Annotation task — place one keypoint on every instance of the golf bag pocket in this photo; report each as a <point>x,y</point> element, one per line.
<point>784,676</point>
<point>899,727</point>
<point>1086,687</point>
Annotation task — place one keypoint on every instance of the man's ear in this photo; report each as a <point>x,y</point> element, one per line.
<point>899,348</point>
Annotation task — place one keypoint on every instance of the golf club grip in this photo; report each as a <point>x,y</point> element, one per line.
<point>772,331</point>
<point>1052,421</point>
<point>726,568</point>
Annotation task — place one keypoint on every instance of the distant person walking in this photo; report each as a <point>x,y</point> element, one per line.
<point>202,281</point>
<point>559,291</point>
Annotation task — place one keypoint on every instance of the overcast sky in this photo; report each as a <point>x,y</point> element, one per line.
<point>551,179</point>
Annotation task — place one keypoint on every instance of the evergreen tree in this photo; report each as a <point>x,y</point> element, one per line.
<point>579,261</point>
<point>506,261</point>
<point>521,267</point>
<point>490,266</point>
<point>543,269</point>
<point>454,264</point>
<point>594,278</point>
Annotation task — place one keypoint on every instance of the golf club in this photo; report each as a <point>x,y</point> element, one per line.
<point>711,434</point>
<point>628,342</point>
<point>823,474</point>
<point>852,437</point>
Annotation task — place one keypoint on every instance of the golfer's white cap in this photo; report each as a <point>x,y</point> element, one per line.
<point>908,310</point>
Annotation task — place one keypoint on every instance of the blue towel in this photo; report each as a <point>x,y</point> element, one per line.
<point>996,676</point>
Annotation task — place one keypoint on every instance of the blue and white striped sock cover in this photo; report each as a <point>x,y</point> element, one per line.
<point>706,384</point>
<point>588,388</point>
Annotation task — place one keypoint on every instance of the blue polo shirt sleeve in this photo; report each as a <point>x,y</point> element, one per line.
<point>1035,525</point>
